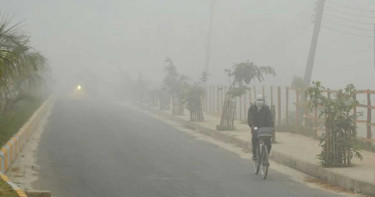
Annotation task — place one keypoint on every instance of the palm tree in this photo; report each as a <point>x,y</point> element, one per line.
<point>20,66</point>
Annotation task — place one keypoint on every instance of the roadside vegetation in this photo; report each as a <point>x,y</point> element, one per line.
<point>6,190</point>
<point>339,143</point>
<point>15,119</point>
<point>22,71</point>
<point>22,87</point>
<point>242,75</point>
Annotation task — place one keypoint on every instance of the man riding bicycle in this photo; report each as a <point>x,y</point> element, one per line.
<point>259,115</point>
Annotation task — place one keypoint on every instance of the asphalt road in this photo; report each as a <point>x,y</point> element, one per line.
<point>96,149</point>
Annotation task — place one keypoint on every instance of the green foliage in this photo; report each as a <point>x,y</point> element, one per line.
<point>171,77</point>
<point>298,82</point>
<point>177,86</point>
<point>339,142</point>
<point>21,67</point>
<point>245,72</point>
<point>204,77</point>
<point>194,102</point>
<point>15,118</point>
<point>6,190</point>
<point>173,82</point>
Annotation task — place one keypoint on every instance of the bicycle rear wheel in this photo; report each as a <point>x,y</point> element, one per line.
<point>264,162</point>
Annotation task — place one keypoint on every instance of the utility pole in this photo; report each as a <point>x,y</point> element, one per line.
<point>209,37</point>
<point>314,41</point>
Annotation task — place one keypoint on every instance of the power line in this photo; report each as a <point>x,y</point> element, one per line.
<point>346,19</point>
<point>307,13</point>
<point>303,17</point>
<point>300,32</point>
<point>349,26</point>
<point>298,25</point>
<point>351,8</point>
<point>292,35</point>
<point>308,8</point>
<point>302,22</point>
<point>330,8</point>
<point>347,33</point>
<point>301,25</point>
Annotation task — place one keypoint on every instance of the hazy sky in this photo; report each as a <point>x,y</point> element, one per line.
<point>135,36</point>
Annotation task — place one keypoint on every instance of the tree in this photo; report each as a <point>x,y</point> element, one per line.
<point>194,99</point>
<point>177,87</point>
<point>141,89</point>
<point>339,142</point>
<point>243,73</point>
<point>21,67</point>
<point>300,86</point>
<point>298,82</point>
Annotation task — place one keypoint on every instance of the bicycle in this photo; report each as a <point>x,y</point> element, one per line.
<point>261,163</point>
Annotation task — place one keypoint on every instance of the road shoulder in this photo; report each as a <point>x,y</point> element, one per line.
<point>242,152</point>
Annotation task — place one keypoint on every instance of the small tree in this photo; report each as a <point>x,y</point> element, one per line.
<point>194,102</point>
<point>141,89</point>
<point>164,99</point>
<point>243,73</point>
<point>154,96</point>
<point>177,87</point>
<point>194,99</point>
<point>339,142</point>
<point>298,82</point>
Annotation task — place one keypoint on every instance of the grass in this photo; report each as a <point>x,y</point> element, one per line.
<point>10,123</point>
<point>6,190</point>
<point>13,120</point>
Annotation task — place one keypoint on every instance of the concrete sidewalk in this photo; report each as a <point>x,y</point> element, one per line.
<point>296,151</point>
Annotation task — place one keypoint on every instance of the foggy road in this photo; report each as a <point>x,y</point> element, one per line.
<point>96,149</point>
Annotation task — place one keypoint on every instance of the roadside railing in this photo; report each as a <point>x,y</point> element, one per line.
<point>291,108</point>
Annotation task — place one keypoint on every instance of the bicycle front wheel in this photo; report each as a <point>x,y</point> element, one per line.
<point>264,162</point>
<point>256,166</point>
<point>257,162</point>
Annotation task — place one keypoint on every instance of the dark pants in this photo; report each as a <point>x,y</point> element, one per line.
<point>255,141</point>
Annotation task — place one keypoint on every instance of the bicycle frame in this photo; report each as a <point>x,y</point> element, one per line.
<point>262,154</point>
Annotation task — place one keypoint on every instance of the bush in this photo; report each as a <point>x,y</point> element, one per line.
<point>15,118</point>
<point>339,142</point>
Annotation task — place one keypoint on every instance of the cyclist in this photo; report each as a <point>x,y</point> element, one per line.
<point>259,115</point>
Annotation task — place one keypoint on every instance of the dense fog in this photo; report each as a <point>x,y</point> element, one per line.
<point>107,40</point>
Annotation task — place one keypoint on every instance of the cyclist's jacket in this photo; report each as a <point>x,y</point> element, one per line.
<point>260,118</point>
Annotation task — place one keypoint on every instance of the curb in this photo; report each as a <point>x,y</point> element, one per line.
<point>14,186</point>
<point>311,169</point>
<point>39,194</point>
<point>11,149</point>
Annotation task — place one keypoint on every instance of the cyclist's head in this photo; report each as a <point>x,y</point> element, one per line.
<point>260,101</point>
